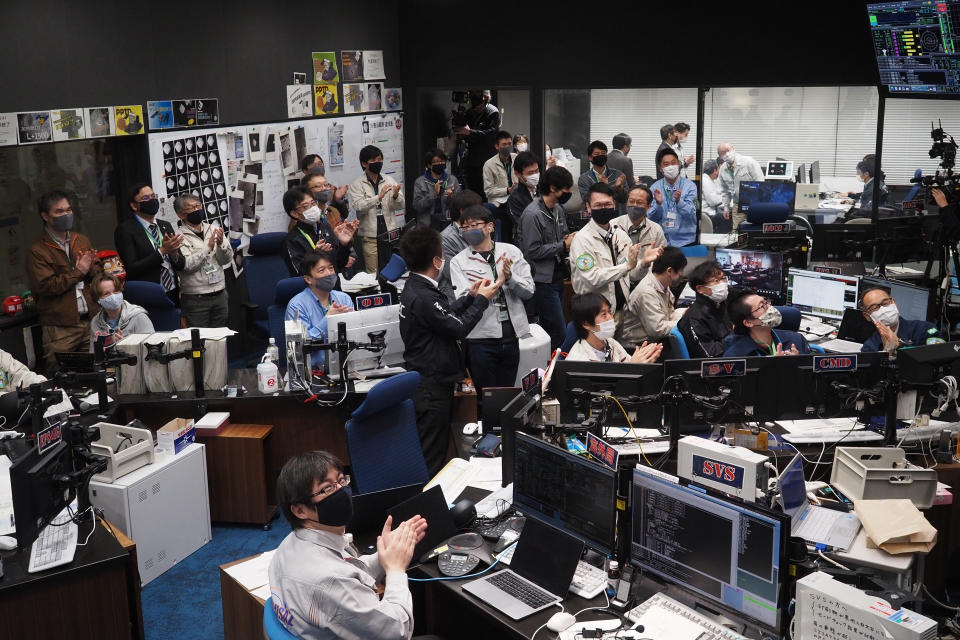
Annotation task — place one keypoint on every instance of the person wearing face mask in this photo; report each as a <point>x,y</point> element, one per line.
<point>649,313</point>
<point>526,168</point>
<point>320,586</point>
<point>593,321</point>
<point>706,322</point>
<point>675,202</point>
<point>617,159</point>
<point>602,257</point>
<point>735,169</point>
<point>206,248</point>
<point>117,317</point>
<point>320,298</point>
<point>480,135</point>
<point>682,132</point>
<point>498,178</point>
<point>431,328</point>
<point>521,143</point>
<point>379,204</point>
<point>312,165</point>
<point>601,172</point>
<point>60,266</point>
<point>646,233</point>
<point>432,190</point>
<point>494,344</point>
<point>148,247</point>
<point>893,331</point>
<point>668,137</point>
<point>312,231</point>
<point>864,208</point>
<point>712,202</point>
<point>545,241</point>
<point>452,236</point>
<point>754,330</point>
<point>327,194</point>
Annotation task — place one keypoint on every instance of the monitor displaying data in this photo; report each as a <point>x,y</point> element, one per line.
<point>917,45</point>
<point>823,295</point>
<point>912,301</point>
<point>774,190</point>
<point>761,271</point>
<point>729,552</point>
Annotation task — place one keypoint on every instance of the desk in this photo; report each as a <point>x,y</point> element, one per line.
<point>240,489</point>
<point>242,611</point>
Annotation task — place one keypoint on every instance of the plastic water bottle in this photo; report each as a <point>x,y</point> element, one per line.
<point>273,352</point>
<point>267,378</point>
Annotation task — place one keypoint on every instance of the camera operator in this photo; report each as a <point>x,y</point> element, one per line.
<point>479,132</point>
<point>948,214</point>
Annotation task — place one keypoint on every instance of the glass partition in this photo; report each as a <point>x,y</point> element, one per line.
<point>906,135</point>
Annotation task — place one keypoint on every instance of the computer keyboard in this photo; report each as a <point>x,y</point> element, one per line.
<point>924,433</point>
<point>832,435</point>
<point>664,617</point>
<point>528,594</point>
<point>815,327</point>
<point>56,544</point>
<point>588,581</point>
<point>652,446</point>
<point>840,346</point>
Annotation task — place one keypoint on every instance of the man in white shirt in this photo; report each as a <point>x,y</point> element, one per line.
<point>736,168</point>
<point>379,204</point>
<point>498,178</point>
<point>712,202</point>
<point>647,233</point>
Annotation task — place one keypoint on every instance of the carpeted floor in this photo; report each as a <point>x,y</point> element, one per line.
<point>184,603</point>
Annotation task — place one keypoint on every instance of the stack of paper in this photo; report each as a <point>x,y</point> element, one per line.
<point>482,473</point>
<point>252,574</point>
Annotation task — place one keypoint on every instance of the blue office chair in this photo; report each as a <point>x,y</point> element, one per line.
<point>164,315</point>
<point>272,626</point>
<point>916,186</point>
<point>394,269</point>
<point>678,346</point>
<point>569,339</point>
<point>382,437</point>
<point>761,213</point>
<point>286,289</point>
<point>263,269</point>
<point>790,318</point>
<point>695,251</point>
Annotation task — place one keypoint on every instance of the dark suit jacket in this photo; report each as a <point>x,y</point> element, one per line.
<point>624,164</point>
<point>140,257</point>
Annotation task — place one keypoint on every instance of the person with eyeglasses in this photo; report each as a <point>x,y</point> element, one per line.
<point>320,586</point>
<point>755,332</point>
<point>148,247</point>
<point>320,299</point>
<point>206,248</point>
<point>893,331</point>
<point>706,323</point>
<point>312,231</point>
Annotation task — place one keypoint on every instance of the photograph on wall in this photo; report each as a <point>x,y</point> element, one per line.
<point>160,114</point>
<point>68,124</point>
<point>269,148</point>
<point>299,78</point>
<point>351,66</point>
<point>34,127</point>
<point>300,143</point>
<point>184,113</point>
<point>393,99</point>
<point>99,122</point>
<point>247,191</point>
<point>335,140</point>
<point>8,129</point>
<point>374,96</point>
<point>299,101</point>
<point>325,67</point>
<point>288,159</point>
<point>325,99</point>
<point>208,112</point>
<point>128,119</point>
<point>253,140</point>
<point>373,65</point>
<point>353,98</point>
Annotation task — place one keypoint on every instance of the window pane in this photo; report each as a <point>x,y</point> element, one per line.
<point>906,135</point>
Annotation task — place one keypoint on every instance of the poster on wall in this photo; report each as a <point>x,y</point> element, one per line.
<point>269,149</point>
<point>335,141</point>
<point>192,165</point>
<point>184,113</point>
<point>393,99</point>
<point>288,158</point>
<point>373,65</point>
<point>208,112</point>
<point>34,127</point>
<point>325,99</point>
<point>99,122</point>
<point>299,101</point>
<point>386,132</point>
<point>128,119</point>
<point>325,67</point>
<point>8,129</point>
<point>374,95</point>
<point>68,124</point>
<point>353,98</point>
<point>253,140</point>
<point>351,66</point>
<point>160,114</point>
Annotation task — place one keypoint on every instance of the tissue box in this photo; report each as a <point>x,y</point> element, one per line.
<point>176,435</point>
<point>212,423</point>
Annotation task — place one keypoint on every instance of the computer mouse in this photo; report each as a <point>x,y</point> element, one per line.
<point>560,621</point>
<point>7,543</point>
<point>470,428</point>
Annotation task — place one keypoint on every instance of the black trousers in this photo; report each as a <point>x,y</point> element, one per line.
<point>433,404</point>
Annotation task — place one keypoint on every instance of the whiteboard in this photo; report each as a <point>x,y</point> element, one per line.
<point>385,130</point>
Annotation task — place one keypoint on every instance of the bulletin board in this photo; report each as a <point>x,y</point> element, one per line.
<point>267,156</point>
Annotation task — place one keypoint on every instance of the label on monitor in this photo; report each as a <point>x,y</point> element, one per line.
<point>374,301</point>
<point>723,368</point>
<point>847,362</point>
<point>831,270</point>
<point>530,380</point>
<point>602,451</point>
<point>49,438</point>
<point>718,471</point>
<point>777,227</point>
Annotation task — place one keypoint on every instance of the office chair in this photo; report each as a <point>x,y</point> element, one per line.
<point>647,180</point>
<point>382,437</point>
<point>394,269</point>
<point>677,345</point>
<point>286,289</point>
<point>706,224</point>
<point>164,315</point>
<point>569,339</point>
<point>916,186</point>
<point>263,269</point>
<point>271,625</point>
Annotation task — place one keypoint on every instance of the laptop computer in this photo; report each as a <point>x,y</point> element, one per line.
<point>853,332</point>
<point>370,509</point>
<point>816,525</point>
<point>433,507</point>
<point>539,576</point>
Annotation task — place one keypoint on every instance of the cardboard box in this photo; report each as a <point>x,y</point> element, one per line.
<point>212,423</point>
<point>176,435</point>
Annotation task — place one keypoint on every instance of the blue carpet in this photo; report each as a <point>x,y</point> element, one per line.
<point>184,602</point>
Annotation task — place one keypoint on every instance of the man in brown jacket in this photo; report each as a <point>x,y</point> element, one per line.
<point>60,263</point>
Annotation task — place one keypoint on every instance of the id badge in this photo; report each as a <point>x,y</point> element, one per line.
<point>213,273</point>
<point>3,380</point>
<point>671,220</point>
<point>502,315</point>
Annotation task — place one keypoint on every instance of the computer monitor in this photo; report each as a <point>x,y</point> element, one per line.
<point>815,172</point>
<point>574,494</point>
<point>912,301</point>
<point>523,413</point>
<point>794,245</point>
<point>779,170</point>
<point>359,325</point>
<point>752,192</point>
<point>732,553</point>
<point>814,391</point>
<point>758,270</point>
<point>904,239</point>
<point>917,46</point>
<point>616,378</point>
<point>841,241</point>
<point>824,295</point>
<point>929,363</point>
<point>802,174</point>
<point>37,496</point>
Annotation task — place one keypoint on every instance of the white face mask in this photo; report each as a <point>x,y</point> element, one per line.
<point>729,157</point>
<point>312,215</point>
<point>606,329</point>
<point>718,292</point>
<point>111,302</point>
<point>671,171</point>
<point>888,315</point>
<point>532,181</point>
<point>443,261</point>
<point>522,146</point>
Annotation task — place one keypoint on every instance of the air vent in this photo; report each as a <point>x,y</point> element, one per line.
<point>142,496</point>
<point>148,563</point>
<point>156,488</point>
<point>161,556</point>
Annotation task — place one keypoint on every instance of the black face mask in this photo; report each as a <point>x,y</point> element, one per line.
<point>375,167</point>
<point>563,198</point>
<point>637,214</point>
<point>150,207</point>
<point>318,171</point>
<point>195,217</point>
<point>599,161</point>
<point>603,216</point>
<point>438,169</point>
<point>336,510</point>
<point>322,197</point>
